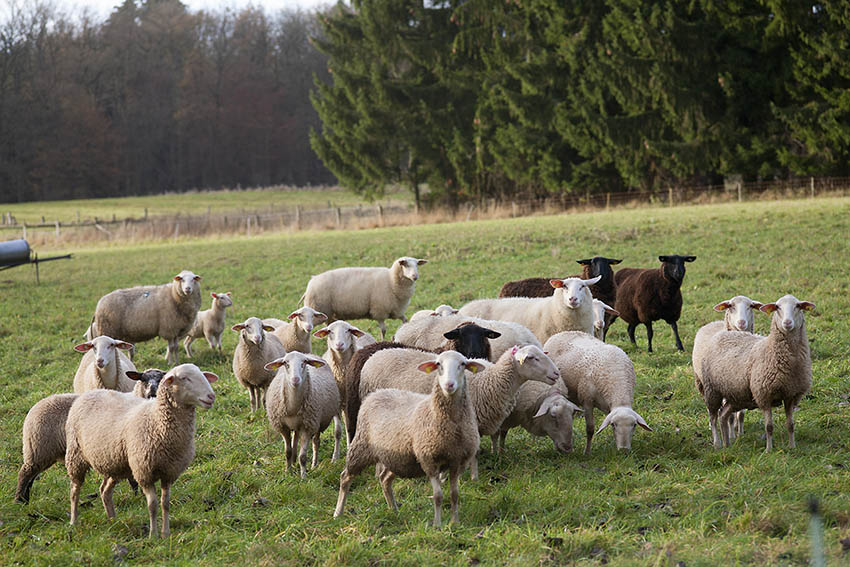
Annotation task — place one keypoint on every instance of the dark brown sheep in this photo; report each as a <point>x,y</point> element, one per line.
<point>647,295</point>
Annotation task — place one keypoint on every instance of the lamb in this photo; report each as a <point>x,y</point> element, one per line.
<point>441,311</point>
<point>146,312</point>
<point>601,313</point>
<point>103,365</point>
<point>569,309</point>
<point>598,375</point>
<point>303,398</point>
<point>409,434</point>
<point>647,295</point>
<point>122,436</point>
<point>256,348</point>
<point>427,333</point>
<point>44,430</point>
<point>541,410</point>
<point>365,293</point>
<point>295,335</point>
<point>751,371</point>
<point>209,323</point>
<point>738,315</point>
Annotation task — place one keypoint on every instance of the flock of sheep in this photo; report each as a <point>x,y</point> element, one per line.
<point>534,357</point>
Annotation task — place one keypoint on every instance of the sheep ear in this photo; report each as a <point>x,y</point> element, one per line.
<point>574,407</point>
<point>274,364</point>
<point>238,327</point>
<point>474,367</point>
<point>178,278</point>
<point>227,294</point>
<point>690,258</point>
<point>806,305</point>
<point>663,258</point>
<point>519,356</point>
<point>592,281</point>
<point>321,333</point>
<point>722,306</point>
<point>757,305</point>
<point>490,334</point>
<point>133,375</point>
<point>123,345</point>
<point>428,367</point>
<point>453,334</point>
<point>166,380</point>
<point>642,422</point>
<point>268,328</point>
<point>545,407</point>
<point>605,423</point>
<point>609,309</point>
<point>293,315</point>
<point>83,347</point>
<point>315,362</point>
<point>214,295</point>
<point>434,314</point>
<point>614,262</point>
<point>210,377</point>
<point>357,333</point>
<point>319,316</point>
<point>584,263</point>
<point>556,283</point>
<point>421,262</point>
<point>514,350</point>
<point>769,307</point>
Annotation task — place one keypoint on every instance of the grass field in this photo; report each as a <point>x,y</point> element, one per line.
<point>673,500</point>
<point>192,203</point>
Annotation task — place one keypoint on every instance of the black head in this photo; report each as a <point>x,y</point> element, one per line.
<point>150,378</point>
<point>471,340</point>
<point>674,266</point>
<point>600,266</point>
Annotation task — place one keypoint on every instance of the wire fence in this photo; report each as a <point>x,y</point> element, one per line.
<point>178,226</point>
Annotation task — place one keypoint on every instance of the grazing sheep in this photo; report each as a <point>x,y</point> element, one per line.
<point>145,312</point>
<point>601,313</point>
<point>365,293</point>
<point>738,315</point>
<point>598,375</point>
<point>303,399</point>
<point>441,311</point>
<point>256,348</point>
<point>295,335</point>
<point>409,434</point>
<point>43,437</point>
<point>647,295</point>
<point>541,410</point>
<point>209,323</point>
<point>103,365</point>
<point>751,371</point>
<point>569,309</point>
<point>122,436</point>
<point>427,333</point>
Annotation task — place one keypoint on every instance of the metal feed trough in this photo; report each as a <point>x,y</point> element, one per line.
<point>18,252</point>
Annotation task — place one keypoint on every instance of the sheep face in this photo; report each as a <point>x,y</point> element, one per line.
<point>575,291</point>
<point>788,312</point>
<point>104,349</point>
<point>674,266</point>
<point>223,299</point>
<point>340,334</point>
<point>189,386</point>
<point>293,366</point>
<point>410,267</point>
<point>450,366</point>
<point>186,282</point>
<point>444,311</point>
<point>599,310</point>
<point>307,318</point>
<point>252,331</point>
<point>555,415</point>
<point>738,313</point>
<point>623,421</point>
<point>600,266</point>
<point>472,340</point>
<point>151,379</point>
<point>533,364</point>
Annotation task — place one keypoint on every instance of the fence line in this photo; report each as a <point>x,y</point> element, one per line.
<point>370,216</point>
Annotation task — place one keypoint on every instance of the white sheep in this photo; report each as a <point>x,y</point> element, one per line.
<point>542,411</point>
<point>344,339</point>
<point>569,309</point>
<point>103,365</point>
<point>751,371</point>
<point>408,434</point>
<point>295,334</point>
<point>427,333</point>
<point>441,311</point>
<point>121,436</point>
<point>256,348</point>
<point>209,323</point>
<point>365,293</point>
<point>600,309</point>
<point>303,399</point>
<point>145,312</point>
<point>598,375</point>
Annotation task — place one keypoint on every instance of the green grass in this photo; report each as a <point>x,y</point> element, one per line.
<point>192,203</point>
<point>673,500</point>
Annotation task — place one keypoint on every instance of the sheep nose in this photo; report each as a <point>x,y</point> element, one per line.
<point>742,325</point>
<point>788,324</point>
<point>258,338</point>
<point>339,347</point>
<point>101,363</point>
<point>573,301</point>
<point>308,327</point>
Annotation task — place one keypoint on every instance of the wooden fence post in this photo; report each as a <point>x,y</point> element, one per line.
<point>670,196</point>
<point>607,200</point>
<point>513,208</point>
<point>25,231</point>
<point>812,182</point>
<point>380,215</point>
<point>338,217</point>
<point>740,193</point>
<point>297,217</point>
<point>57,230</point>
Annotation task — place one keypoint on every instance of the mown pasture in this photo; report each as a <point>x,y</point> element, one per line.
<point>673,500</point>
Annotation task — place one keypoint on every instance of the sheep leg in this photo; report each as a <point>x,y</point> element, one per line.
<point>210,339</point>
<point>26,476</point>
<point>675,326</point>
<point>150,496</point>
<point>473,467</point>
<point>455,494</point>
<point>77,468</point>
<point>631,331</point>
<point>304,440</point>
<point>172,355</point>
<point>383,326</point>
<point>789,422</point>
<point>187,346</point>
<point>494,443</point>
<point>715,435</point>
<point>165,504</point>
<point>106,488</point>
<point>438,499</point>
<point>337,437</point>
<point>287,444</point>
<point>503,435</point>
<point>386,477</point>
<point>739,422</point>
<point>588,427</point>
<point>315,461</point>
<point>768,427</point>
<point>649,334</point>
<point>75,500</point>
<point>252,395</point>
<point>724,416</point>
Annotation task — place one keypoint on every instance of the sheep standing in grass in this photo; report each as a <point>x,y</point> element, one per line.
<point>598,375</point>
<point>303,399</point>
<point>142,313</point>
<point>122,436</point>
<point>103,365</point>
<point>409,434</point>
<point>365,293</point>
<point>750,371</point>
<point>209,323</point>
<point>256,348</point>
<point>295,335</point>
<point>647,295</point>
<point>569,309</point>
<point>541,410</point>
<point>43,437</point>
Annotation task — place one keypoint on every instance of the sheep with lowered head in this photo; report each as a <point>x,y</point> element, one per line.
<point>295,334</point>
<point>103,365</point>
<point>543,411</point>
<point>365,293</point>
<point>145,312</point>
<point>209,323</point>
